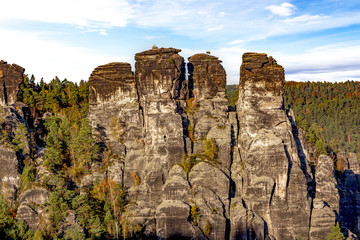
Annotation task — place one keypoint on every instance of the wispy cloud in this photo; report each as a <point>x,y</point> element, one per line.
<point>282,10</point>
<point>48,59</point>
<point>88,13</point>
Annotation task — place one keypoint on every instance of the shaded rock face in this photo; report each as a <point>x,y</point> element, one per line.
<point>10,79</point>
<point>348,184</point>
<point>326,202</point>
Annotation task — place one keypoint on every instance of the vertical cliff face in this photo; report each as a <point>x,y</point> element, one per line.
<point>159,76</point>
<point>10,166</point>
<point>269,175</point>
<point>192,167</point>
<point>195,170</point>
<point>10,79</point>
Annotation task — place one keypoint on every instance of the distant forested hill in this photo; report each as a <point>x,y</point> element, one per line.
<point>328,112</point>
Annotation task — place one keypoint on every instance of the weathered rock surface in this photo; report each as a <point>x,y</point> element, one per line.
<point>156,129</point>
<point>30,205</point>
<point>267,173</point>
<point>9,173</point>
<point>326,202</point>
<point>207,76</point>
<point>10,79</point>
<point>348,186</point>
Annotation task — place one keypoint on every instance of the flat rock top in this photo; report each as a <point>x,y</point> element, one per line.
<point>156,51</point>
<point>253,61</point>
<point>202,57</point>
<point>115,67</point>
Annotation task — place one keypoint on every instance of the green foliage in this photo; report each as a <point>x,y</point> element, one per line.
<point>210,151</point>
<point>209,155</point>
<point>70,153</point>
<point>188,162</point>
<point>28,175</point>
<point>191,106</point>
<point>195,214</point>
<point>335,233</point>
<point>54,147</point>
<point>38,235</point>
<point>232,94</point>
<point>56,96</point>
<point>21,139</point>
<point>9,227</point>
<point>207,229</point>
<point>74,234</point>
<point>83,148</point>
<point>57,208</point>
<point>328,112</point>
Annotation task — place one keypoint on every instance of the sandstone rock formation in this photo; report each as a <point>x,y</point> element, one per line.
<point>268,174</point>
<point>30,205</point>
<point>257,177</point>
<point>192,167</point>
<point>10,79</point>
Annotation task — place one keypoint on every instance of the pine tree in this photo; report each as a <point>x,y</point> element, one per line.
<point>53,155</point>
<point>335,233</point>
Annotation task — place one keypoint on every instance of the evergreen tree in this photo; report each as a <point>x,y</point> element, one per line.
<point>335,233</point>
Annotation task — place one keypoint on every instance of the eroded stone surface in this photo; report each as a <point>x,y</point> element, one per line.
<point>273,184</point>
<point>10,79</point>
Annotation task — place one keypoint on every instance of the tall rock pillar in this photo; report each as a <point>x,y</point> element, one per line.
<point>270,178</point>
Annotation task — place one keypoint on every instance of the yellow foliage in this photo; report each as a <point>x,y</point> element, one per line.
<point>117,129</point>
<point>191,106</point>
<point>135,178</point>
<point>210,149</point>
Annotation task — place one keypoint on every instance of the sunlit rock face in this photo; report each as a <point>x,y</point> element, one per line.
<point>159,76</point>
<point>269,175</point>
<point>258,185</point>
<point>10,79</point>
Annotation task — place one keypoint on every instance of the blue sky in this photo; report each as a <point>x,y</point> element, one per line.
<point>314,40</point>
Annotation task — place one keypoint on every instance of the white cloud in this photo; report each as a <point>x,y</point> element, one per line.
<point>328,63</point>
<point>283,10</point>
<point>308,19</point>
<point>48,59</point>
<point>87,13</point>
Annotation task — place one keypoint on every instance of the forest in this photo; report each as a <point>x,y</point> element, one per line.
<point>329,113</point>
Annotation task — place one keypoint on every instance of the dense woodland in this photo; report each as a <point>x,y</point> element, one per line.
<point>71,152</point>
<point>329,114</point>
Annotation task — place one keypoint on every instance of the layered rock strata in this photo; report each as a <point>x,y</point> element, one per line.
<point>10,79</point>
<point>196,170</point>
<point>267,173</point>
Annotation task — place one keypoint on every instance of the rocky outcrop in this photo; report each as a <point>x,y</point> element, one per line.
<point>195,169</point>
<point>207,76</point>
<point>10,79</point>
<point>30,205</point>
<point>326,203</point>
<point>9,173</point>
<point>348,186</point>
<point>268,174</point>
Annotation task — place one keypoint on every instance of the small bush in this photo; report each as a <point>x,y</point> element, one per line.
<point>335,233</point>
<point>195,214</point>
<point>135,178</point>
